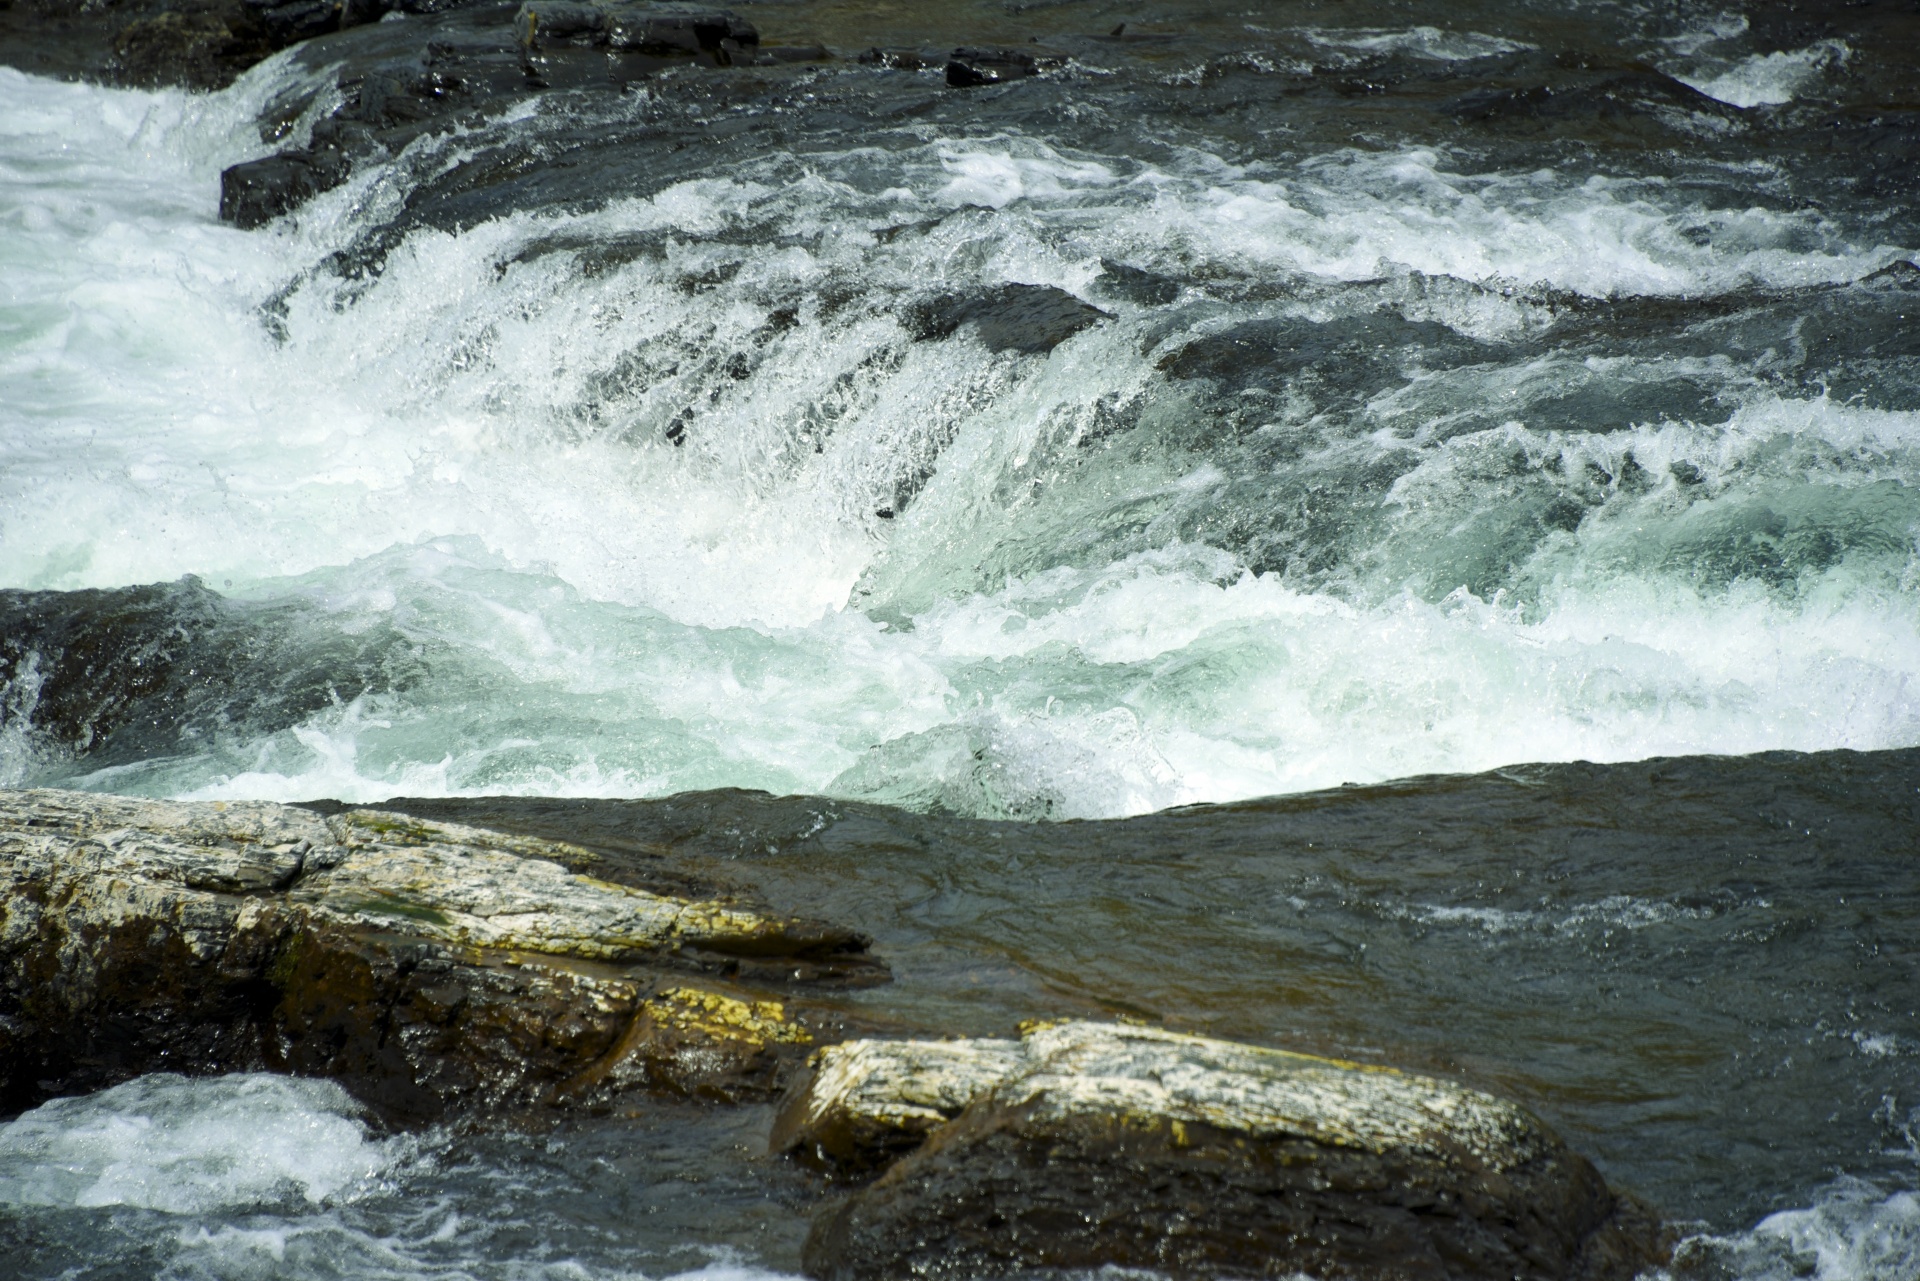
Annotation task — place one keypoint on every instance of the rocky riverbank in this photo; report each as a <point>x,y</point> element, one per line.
<point>437,968</point>
<point>431,967</point>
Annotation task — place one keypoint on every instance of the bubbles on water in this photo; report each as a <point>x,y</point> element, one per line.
<point>1421,42</point>
<point>1764,79</point>
<point>1855,1231</point>
<point>676,492</point>
<point>186,1146</point>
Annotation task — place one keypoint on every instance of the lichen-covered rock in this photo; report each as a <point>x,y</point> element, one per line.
<point>464,885</point>
<point>1090,1145</point>
<point>429,965</point>
<point>868,1102</point>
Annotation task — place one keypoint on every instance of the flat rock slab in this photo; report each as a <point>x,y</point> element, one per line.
<point>431,966</point>
<point>1088,1145</point>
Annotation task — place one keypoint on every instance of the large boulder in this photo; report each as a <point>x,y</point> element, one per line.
<point>1089,1145</point>
<point>430,966</point>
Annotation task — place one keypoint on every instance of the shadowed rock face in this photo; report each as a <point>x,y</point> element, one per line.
<point>430,966</point>
<point>1088,1145</point>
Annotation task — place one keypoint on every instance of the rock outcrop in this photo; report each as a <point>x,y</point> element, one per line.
<point>430,966</point>
<point>664,30</point>
<point>396,82</point>
<point>1088,1145</point>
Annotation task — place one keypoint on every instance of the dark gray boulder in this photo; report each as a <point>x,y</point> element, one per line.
<point>663,30</point>
<point>258,191</point>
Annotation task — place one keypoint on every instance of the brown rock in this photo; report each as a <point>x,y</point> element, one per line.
<point>429,966</point>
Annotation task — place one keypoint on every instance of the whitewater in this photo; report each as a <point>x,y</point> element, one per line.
<point>1079,611</point>
<point>1359,451</point>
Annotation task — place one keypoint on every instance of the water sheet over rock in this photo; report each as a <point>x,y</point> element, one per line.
<point>1090,1145</point>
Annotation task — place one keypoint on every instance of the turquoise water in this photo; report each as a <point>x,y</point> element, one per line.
<point>612,446</point>
<point>604,484</point>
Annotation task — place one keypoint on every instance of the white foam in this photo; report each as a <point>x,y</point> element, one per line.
<point>1615,912</point>
<point>324,1247</point>
<point>1855,1231</point>
<point>1765,79</point>
<point>1422,42</point>
<point>448,450</point>
<point>191,1146</point>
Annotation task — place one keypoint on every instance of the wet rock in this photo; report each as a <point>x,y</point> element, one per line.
<point>1090,1145</point>
<point>1032,319</point>
<point>1352,355</point>
<point>899,59</point>
<point>258,191</point>
<point>430,966</point>
<point>117,674</point>
<point>289,21</point>
<point>869,1102</point>
<point>1137,285</point>
<point>968,68</point>
<point>399,80</point>
<point>197,49</point>
<point>659,29</point>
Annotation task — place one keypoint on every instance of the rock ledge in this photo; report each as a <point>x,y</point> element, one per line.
<point>1088,1145</point>
<point>429,965</point>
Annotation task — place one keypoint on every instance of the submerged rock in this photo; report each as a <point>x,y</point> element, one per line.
<point>1089,1145</point>
<point>197,48</point>
<point>430,966</point>
<point>1032,319</point>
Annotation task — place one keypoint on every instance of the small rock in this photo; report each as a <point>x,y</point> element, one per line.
<point>256,192</point>
<point>175,47</point>
<point>1033,319</point>
<point>967,68</point>
<point>289,21</point>
<point>658,29</point>
<point>898,59</point>
<point>1094,1145</point>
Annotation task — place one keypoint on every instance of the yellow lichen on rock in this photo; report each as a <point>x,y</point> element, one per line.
<point>510,976</point>
<point>714,1014</point>
<point>482,889</point>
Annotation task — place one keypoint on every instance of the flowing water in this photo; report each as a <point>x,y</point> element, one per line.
<point>1538,386</point>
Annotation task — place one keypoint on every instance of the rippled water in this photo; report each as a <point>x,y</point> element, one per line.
<point>1524,384</point>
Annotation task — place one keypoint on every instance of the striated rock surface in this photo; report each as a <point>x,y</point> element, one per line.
<point>1088,1145</point>
<point>431,966</point>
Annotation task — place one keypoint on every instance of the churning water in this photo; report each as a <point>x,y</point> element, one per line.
<point>1384,460</point>
<point>1259,407</point>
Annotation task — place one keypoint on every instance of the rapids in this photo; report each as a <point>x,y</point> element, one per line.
<point>663,493</point>
<point>1526,383</point>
